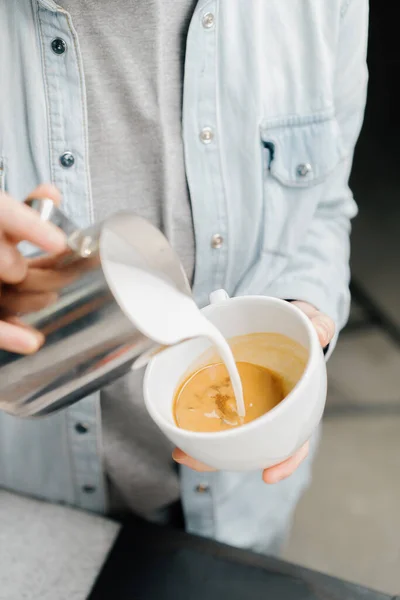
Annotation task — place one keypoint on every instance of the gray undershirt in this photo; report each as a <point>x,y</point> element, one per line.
<point>133,56</point>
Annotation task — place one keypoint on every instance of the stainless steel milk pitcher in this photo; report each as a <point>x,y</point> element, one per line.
<point>89,340</point>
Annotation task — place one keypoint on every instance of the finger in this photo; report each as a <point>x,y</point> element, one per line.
<point>323,324</point>
<point>183,459</point>
<point>46,190</point>
<point>325,328</point>
<point>46,280</point>
<point>22,223</point>
<point>13,266</point>
<point>308,309</point>
<point>44,262</point>
<point>13,320</point>
<point>22,340</point>
<point>15,302</point>
<point>285,469</point>
<point>62,261</point>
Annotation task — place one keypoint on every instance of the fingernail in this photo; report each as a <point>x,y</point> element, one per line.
<point>323,333</point>
<point>40,338</point>
<point>178,456</point>
<point>33,341</point>
<point>273,478</point>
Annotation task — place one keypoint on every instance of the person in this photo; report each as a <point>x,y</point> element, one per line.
<point>231,125</point>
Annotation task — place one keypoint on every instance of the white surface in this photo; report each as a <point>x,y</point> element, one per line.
<point>49,552</point>
<point>269,439</point>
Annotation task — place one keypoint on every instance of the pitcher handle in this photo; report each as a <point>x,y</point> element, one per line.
<point>82,243</point>
<point>48,211</point>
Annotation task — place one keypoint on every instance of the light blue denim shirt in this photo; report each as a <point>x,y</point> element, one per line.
<point>274,94</point>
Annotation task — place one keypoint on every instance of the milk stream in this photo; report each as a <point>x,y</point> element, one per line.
<point>224,351</point>
<point>166,315</point>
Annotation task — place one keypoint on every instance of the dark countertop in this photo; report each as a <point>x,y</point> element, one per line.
<point>149,562</point>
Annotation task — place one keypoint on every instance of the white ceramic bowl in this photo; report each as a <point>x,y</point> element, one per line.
<point>269,439</point>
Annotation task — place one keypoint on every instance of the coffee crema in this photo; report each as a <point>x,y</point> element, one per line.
<point>205,401</point>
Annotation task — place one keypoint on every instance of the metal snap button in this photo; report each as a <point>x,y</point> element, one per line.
<point>89,489</point>
<point>208,20</point>
<point>67,160</point>
<point>207,135</point>
<point>81,428</point>
<point>304,169</point>
<point>217,241</point>
<point>59,46</point>
<point>202,488</point>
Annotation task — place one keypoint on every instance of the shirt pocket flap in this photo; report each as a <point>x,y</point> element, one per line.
<point>302,151</point>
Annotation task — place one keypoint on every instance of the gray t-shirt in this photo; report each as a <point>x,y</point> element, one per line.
<point>133,57</point>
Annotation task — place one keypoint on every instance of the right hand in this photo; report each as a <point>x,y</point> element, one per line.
<point>20,223</point>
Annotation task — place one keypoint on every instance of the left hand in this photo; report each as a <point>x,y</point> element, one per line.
<point>325,328</point>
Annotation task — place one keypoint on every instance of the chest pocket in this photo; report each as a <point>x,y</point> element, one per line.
<point>300,153</point>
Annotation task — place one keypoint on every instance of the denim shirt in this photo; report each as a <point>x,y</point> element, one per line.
<point>274,94</point>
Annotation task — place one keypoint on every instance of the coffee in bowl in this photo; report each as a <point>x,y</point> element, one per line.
<point>205,401</point>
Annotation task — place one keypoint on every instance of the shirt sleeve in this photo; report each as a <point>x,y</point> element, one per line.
<point>319,271</point>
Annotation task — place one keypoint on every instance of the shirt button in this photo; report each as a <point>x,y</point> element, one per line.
<point>208,20</point>
<point>304,169</point>
<point>58,46</point>
<point>81,428</point>
<point>202,488</point>
<point>67,160</point>
<point>216,241</point>
<point>89,489</point>
<point>207,135</point>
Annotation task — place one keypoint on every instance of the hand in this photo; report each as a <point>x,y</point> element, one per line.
<point>325,328</point>
<point>20,223</point>
<point>323,324</point>
<point>44,278</point>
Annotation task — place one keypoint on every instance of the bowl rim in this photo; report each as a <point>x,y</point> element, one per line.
<point>271,415</point>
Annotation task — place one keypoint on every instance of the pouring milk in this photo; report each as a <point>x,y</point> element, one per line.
<point>169,316</point>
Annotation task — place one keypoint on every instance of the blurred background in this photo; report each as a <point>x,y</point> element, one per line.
<point>348,523</point>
